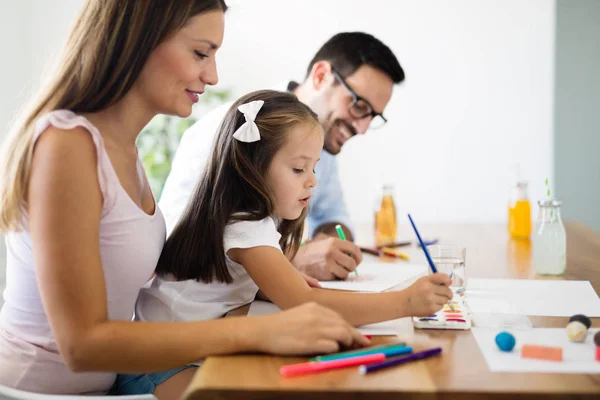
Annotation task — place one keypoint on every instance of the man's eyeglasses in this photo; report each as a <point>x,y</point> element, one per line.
<point>361,108</point>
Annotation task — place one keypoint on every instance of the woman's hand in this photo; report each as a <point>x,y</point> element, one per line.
<point>307,329</point>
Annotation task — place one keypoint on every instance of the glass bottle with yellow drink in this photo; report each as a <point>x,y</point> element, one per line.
<point>519,212</point>
<point>385,218</point>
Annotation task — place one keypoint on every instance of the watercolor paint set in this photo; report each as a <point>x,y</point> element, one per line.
<point>454,315</point>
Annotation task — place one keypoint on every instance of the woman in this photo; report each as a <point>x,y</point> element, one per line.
<point>84,231</point>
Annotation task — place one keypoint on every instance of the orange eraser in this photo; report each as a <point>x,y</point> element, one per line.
<point>541,352</point>
<point>598,353</point>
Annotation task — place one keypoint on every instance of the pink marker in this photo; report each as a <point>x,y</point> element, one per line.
<point>318,366</point>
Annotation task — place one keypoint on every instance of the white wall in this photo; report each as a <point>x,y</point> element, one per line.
<point>478,94</point>
<point>31,34</point>
<point>49,23</point>
<point>15,66</point>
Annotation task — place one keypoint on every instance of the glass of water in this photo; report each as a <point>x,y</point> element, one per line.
<point>451,260</point>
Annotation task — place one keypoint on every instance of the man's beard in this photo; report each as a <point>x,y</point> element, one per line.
<point>334,139</point>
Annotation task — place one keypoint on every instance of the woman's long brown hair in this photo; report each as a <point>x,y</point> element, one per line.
<point>233,187</point>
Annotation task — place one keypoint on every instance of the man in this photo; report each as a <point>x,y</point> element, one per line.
<point>348,84</point>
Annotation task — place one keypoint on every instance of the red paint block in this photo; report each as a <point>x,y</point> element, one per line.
<point>597,353</point>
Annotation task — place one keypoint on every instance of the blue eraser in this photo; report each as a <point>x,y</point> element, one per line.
<point>505,341</point>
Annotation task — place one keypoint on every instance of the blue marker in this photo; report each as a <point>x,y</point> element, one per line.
<point>429,260</point>
<point>429,242</point>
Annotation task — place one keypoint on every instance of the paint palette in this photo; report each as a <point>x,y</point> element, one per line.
<point>454,315</point>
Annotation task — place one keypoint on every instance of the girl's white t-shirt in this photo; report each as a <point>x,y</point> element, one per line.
<point>169,300</point>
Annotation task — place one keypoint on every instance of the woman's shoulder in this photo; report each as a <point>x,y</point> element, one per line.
<point>62,145</point>
<point>68,145</point>
<point>65,131</point>
<point>64,120</point>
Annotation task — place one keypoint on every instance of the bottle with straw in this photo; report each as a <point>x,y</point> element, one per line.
<point>549,239</point>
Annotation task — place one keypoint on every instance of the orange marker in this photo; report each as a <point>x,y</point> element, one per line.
<point>394,253</point>
<point>541,352</point>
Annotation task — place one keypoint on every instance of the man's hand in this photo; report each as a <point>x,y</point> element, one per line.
<point>327,258</point>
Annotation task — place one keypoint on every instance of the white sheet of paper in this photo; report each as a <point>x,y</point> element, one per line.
<point>376,277</point>
<point>578,358</point>
<point>532,297</point>
<point>387,328</point>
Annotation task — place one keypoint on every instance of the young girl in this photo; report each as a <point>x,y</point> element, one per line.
<point>244,223</point>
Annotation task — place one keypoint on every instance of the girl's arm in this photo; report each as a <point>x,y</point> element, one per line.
<point>280,281</point>
<point>64,209</point>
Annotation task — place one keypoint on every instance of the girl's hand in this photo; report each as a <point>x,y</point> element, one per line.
<point>307,329</point>
<point>429,294</point>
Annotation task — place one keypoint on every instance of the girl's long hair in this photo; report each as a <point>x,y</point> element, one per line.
<point>233,187</point>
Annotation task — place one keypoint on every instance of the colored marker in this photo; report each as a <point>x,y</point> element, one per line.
<point>318,366</point>
<point>429,260</point>
<point>388,351</point>
<point>396,244</point>
<point>390,362</point>
<point>395,253</point>
<point>353,352</point>
<point>340,233</point>
<point>387,251</point>
<point>429,242</point>
<point>369,250</point>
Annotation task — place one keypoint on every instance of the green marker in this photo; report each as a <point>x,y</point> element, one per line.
<point>388,350</point>
<point>340,233</point>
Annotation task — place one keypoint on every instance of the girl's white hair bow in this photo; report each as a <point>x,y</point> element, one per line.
<point>248,132</point>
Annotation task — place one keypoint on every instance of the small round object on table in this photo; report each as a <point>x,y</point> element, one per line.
<point>597,338</point>
<point>505,341</point>
<point>583,319</point>
<point>576,331</point>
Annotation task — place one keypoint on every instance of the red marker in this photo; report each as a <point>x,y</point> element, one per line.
<point>318,366</point>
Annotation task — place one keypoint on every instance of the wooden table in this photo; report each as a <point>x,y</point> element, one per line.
<point>461,372</point>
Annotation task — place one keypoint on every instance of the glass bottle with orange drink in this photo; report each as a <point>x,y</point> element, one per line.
<point>519,212</point>
<point>385,218</point>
